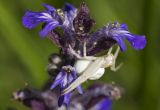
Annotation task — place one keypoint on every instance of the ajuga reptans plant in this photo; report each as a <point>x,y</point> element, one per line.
<point>69,29</point>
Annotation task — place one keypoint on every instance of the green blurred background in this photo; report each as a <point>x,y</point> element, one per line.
<point>23,55</point>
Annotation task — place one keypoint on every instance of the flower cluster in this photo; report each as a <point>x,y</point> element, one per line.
<point>76,25</point>
<point>70,29</point>
<point>96,97</point>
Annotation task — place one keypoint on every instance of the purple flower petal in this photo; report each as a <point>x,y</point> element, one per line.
<point>58,80</point>
<point>137,42</point>
<point>48,27</point>
<point>32,19</point>
<point>29,21</point>
<point>74,75</point>
<point>64,99</point>
<point>70,79</point>
<point>105,104</point>
<point>80,90</point>
<point>49,8</point>
<point>123,26</point>
<point>61,100</point>
<point>70,13</point>
<point>69,7</point>
<point>65,81</point>
<point>67,98</point>
<point>120,42</point>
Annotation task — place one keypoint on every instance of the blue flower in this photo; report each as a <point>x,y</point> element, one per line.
<point>51,18</point>
<point>65,77</point>
<point>118,32</point>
